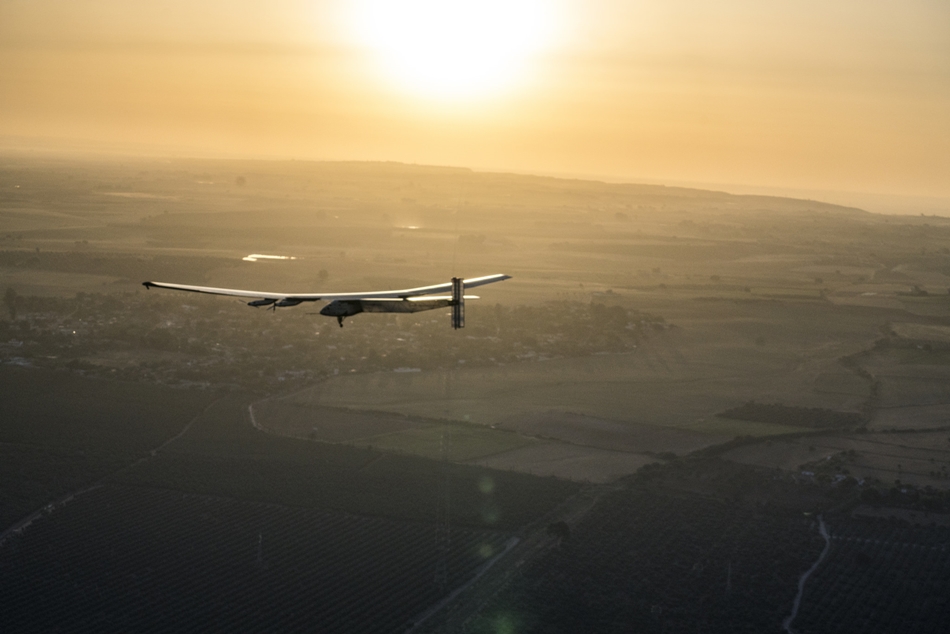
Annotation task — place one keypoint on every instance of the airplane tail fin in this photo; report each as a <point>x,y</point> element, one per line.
<point>458,303</point>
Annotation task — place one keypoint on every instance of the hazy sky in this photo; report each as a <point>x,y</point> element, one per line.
<point>837,94</point>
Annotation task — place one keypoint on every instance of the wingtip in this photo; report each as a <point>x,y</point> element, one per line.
<point>148,284</point>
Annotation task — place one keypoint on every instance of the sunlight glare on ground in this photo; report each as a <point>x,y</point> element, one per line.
<point>454,50</point>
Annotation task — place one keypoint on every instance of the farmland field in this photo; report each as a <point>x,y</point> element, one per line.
<point>572,462</point>
<point>880,576</point>
<point>462,443</point>
<point>672,382</point>
<point>661,397</point>
<point>700,377</point>
<point>61,410</point>
<point>292,418</point>
<point>60,432</point>
<point>222,454</point>
<point>652,563</point>
<point>379,430</point>
<point>730,428</point>
<point>922,459</point>
<point>149,560</point>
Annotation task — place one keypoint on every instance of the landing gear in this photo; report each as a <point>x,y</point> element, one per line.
<point>339,320</point>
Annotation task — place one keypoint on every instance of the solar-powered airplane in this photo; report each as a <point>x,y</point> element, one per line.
<point>342,305</point>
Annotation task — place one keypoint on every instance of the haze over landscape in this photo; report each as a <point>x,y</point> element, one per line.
<point>846,96</point>
<point>712,397</point>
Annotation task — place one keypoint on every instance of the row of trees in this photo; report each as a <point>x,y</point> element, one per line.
<point>880,576</point>
<point>153,560</point>
<point>648,562</point>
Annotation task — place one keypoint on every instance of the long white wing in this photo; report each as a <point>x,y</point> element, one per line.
<point>313,297</point>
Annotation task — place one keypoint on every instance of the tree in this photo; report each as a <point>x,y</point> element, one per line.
<point>10,299</point>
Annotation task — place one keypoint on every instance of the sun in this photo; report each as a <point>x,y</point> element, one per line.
<point>452,49</point>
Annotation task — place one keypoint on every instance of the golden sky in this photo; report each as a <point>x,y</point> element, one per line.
<point>820,94</point>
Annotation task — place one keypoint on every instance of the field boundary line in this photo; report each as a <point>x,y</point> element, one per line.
<point>46,510</point>
<point>154,452</point>
<point>885,455</point>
